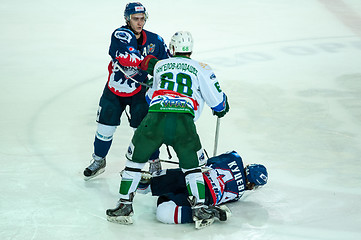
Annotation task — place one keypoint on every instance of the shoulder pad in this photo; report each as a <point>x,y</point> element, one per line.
<point>123,34</point>
<point>160,38</point>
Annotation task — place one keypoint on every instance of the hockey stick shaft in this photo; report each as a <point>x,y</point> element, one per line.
<point>216,137</point>
<point>122,70</point>
<point>167,161</point>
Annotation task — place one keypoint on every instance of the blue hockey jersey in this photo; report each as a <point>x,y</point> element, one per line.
<point>225,182</point>
<point>124,41</point>
<point>226,178</point>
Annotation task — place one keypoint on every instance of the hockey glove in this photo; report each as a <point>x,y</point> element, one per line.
<point>223,112</point>
<point>148,64</point>
<point>129,60</point>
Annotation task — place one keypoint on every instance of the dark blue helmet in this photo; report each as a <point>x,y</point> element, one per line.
<point>133,8</point>
<point>256,174</point>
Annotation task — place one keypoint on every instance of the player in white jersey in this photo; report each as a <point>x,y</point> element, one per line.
<point>180,88</point>
<point>190,83</point>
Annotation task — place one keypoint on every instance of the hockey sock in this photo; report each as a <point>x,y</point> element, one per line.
<point>195,183</point>
<point>101,148</point>
<point>130,178</point>
<point>103,139</point>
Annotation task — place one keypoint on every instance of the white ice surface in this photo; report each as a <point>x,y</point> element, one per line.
<point>291,69</point>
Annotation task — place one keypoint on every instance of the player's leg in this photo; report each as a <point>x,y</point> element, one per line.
<point>190,154</point>
<point>130,178</point>
<point>138,110</point>
<point>108,118</point>
<point>189,151</point>
<point>174,209</point>
<point>168,181</point>
<point>144,142</point>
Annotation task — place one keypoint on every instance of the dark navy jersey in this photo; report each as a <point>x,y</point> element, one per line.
<point>225,181</point>
<point>124,41</point>
<point>226,178</point>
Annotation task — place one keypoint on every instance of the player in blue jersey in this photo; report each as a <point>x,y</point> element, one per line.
<point>120,91</point>
<point>226,181</point>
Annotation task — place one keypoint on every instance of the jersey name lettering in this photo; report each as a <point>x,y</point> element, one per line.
<point>180,66</point>
<point>237,175</point>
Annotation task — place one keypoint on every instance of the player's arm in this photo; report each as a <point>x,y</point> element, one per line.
<point>122,48</point>
<point>147,64</point>
<point>221,109</point>
<point>163,52</point>
<point>129,57</point>
<point>212,92</point>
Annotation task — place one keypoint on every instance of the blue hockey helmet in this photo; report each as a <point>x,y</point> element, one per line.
<point>134,8</point>
<point>256,174</point>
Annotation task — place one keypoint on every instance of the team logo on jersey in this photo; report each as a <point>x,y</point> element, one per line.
<point>204,65</point>
<point>213,76</point>
<point>123,36</point>
<point>151,48</point>
<point>131,49</point>
<point>173,102</point>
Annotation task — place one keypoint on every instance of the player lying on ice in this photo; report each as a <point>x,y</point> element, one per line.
<point>226,181</point>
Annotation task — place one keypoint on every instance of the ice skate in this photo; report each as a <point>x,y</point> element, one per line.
<point>154,165</point>
<point>95,168</point>
<point>222,212</point>
<point>144,183</point>
<point>202,216</point>
<point>122,214</point>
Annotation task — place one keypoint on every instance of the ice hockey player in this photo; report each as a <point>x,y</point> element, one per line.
<point>181,87</point>
<point>226,181</point>
<point>128,41</point>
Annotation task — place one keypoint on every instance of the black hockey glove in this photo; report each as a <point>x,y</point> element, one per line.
<point>222,113</point>
<point>150,81</point>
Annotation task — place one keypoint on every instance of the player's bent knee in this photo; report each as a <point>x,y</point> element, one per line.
<point>105,132</point>
<point>166,212</point>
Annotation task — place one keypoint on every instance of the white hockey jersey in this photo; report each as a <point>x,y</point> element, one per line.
<point>183,85</point>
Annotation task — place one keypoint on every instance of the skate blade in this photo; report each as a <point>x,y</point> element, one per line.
<point>125,220</point>
<point>93,176</point>
<point>228,212</point>
<point>199,224</point>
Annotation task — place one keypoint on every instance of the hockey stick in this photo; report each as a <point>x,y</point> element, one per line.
<point>136,81</point>
<point>216,137</point>
<point>167,161</point>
